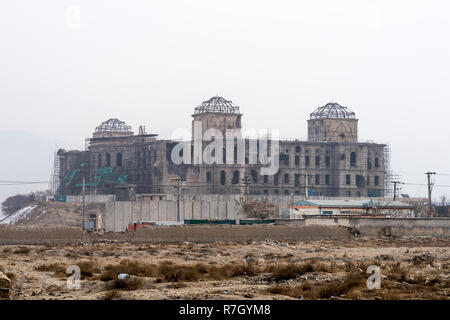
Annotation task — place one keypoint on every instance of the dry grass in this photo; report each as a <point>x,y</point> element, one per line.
<point>293,270</point>
<point>111,295</point>
<point>58,269</point>
<point>176,273</point>
<point>22,250</point>
<point>88,268</point>
<point>128,284</point>
<point>131,267</point>
<point>351,285</point>
<point>397,273</point>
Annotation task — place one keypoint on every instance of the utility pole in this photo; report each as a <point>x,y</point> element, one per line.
<point>395,188</point>
<point>430,186</point>
<point>84,182</point>
<point>307,181</point>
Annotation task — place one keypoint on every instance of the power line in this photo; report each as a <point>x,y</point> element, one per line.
<point>18,183</point>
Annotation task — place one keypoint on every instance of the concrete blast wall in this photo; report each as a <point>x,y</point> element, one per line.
<point>119,213</point>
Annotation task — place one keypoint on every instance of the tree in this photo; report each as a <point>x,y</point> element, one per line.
<point>250,207</point>
<point>442,208</point>
<point>17,202</point>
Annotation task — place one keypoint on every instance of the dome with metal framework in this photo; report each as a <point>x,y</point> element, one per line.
<point>332,110</point>
<point>113,125</point>
<point>217,105</point>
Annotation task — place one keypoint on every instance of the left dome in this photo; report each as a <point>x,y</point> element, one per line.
<point>112,127</point>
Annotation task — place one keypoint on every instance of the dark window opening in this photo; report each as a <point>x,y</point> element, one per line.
<point>119,159</point>
<point>377,180</point>
<point>376,163</point>
<point>276,179</point>
<point>347,179</point>
<point>108,160</point>
<point>208,176</point>
<point>99,161</point>
<point>359,181</point>
<point>327,161</point>
<point>235,177</point>
<point>265,178</point>
<point>222,177</point>
<point>353,159</point>
<point>297,149</point>
<point>254,175</point>
<point>284,158</point>
<point>317,179</point>
<point>297,180</point>
<point>317,161</point>
<point>327,179</point>
<point>297,160</point>
<point>286,178</point>
<point>307,161</point>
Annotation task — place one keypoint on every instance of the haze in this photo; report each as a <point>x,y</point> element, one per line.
<point>66,66</point>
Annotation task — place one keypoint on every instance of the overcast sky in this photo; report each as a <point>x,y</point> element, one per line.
<point>66,66</point>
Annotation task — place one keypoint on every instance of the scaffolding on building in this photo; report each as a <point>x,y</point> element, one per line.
<point>388,174</point>
<point>54,184</point>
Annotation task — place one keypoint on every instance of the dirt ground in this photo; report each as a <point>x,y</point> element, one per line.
<point>411,268</point>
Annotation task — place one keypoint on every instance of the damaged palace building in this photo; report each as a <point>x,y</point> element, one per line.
<point>330,163</point>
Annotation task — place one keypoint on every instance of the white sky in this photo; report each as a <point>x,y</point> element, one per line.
<point>153,62</point>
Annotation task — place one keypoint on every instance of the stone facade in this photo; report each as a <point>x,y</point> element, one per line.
<point>330,163</point>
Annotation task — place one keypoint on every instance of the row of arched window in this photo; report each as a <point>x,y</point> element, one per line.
<point>99,160</point>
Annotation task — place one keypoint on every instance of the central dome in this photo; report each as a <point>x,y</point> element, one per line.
<point>217,105</point>
<point>332,110</point>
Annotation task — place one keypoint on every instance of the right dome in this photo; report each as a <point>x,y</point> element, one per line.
<point>332,110</point>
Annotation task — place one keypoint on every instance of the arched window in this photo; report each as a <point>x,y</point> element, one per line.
<point>235,177</point>
<point>353,159</point>
<point>108,160</point>
<point>222,177</point>
<point>254,175</point>
<point>119,159</point>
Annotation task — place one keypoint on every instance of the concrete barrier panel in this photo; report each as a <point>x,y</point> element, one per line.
<point>197,210</point>
<point>171,210</point>
<point>162,211</point>
<point>108,217</point>
<point>214,210</point>
<point>153,209</point>
<point>118,216</point>
<point>145,213</point>
<point>187,210</point>
<point>137,211</point>
<point>127,213</point>
<point>205,210</point>
<point>222,209</point>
